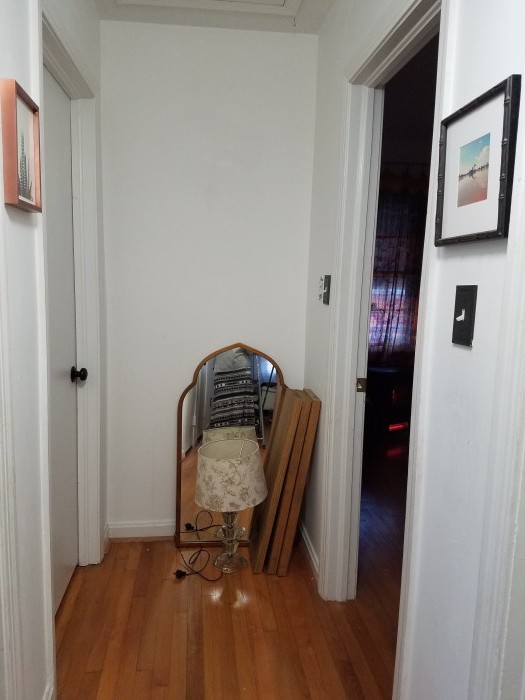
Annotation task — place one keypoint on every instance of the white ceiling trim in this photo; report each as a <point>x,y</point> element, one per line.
<point>288,6</point>
<point>303,16</point>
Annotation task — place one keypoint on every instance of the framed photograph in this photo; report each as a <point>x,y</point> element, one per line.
<point>476,166</point>
<point>21,147</point>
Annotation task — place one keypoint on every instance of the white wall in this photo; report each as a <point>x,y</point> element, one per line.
<point>26,630</point>
<point>464,391</point>
<point>25,615</point>
<point>207,166</point>
<point>458,426</point>
<point>326,205</point>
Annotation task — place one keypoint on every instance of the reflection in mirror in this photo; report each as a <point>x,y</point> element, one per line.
<point>234,394</point>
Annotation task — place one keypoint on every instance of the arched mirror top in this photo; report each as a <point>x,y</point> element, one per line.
<point>233,346</point>
<point>235,386</point>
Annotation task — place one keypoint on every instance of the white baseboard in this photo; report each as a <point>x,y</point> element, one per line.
<point>142,528</point>
<point>312,554</point>
<point>105,541</point>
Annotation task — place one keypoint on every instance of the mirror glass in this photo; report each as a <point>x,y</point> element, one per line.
<point>234,393</point>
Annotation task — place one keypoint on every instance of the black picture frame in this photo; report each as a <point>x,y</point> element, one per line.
<point>477,150</point>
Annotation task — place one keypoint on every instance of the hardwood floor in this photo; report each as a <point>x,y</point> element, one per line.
<point>129,628</point>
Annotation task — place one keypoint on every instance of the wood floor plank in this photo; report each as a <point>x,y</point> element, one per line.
<point>150,570</point>
<point>192,588</point>
<point>262,655</point>
<point>318,666</point>
<point>130,652</point>
<point>326,618</point>
<point>66,608</point>
<point>116,645</point>
<point>163,636</point>
<point>142,685</point>
<point>246,660</point>
<point>179,654</point>
<point>97,655</point>
<point>129,629</point>
<point>82,630</point>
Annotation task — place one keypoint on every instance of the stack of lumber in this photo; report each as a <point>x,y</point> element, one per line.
<point>287,460</point>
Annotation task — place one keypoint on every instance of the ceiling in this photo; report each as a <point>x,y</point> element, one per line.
<point>302,16</point>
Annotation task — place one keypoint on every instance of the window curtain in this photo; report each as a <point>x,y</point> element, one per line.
<point>397,264</point>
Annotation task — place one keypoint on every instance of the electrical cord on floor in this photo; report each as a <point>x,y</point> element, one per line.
<point>190,566</point>
<point>191,563</point>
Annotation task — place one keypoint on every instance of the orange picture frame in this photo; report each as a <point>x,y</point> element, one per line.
<point>20,147</point>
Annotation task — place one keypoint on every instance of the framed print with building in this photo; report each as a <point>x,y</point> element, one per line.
<point>20,147</point>
<point>476,166</point>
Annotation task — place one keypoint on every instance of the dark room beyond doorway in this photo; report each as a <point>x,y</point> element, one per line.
<point>400,229</point>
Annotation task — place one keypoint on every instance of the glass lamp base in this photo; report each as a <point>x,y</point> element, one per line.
<point>229,563</point>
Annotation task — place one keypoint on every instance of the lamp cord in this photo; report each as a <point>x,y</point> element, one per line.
<point>190,564</point>
<point>189,527</point>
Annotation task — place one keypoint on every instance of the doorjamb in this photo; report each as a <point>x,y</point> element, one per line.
<point>364,295</point>
<point>11,682</point>
<point>340,536</point>
<point>60,64</point>
<point>340,481</point>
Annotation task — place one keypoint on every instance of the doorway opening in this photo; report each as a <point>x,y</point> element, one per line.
<point>400,229</point>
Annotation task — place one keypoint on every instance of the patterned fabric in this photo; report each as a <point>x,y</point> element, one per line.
<point>230,476</point>
<point>233,400</point>
<point>400,234</point>
<point>230,433</point>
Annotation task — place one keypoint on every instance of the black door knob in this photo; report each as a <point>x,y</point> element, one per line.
<point>78,374</point>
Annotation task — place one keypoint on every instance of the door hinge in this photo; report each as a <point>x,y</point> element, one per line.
<point>360,384</point>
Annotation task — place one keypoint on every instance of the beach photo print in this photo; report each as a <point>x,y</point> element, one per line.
<point>473,175</point>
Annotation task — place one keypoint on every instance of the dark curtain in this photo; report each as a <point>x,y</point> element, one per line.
<point>397,265</point>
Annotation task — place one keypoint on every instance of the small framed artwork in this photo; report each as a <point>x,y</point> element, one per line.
<point>476,166</point>
<point>21,147</point>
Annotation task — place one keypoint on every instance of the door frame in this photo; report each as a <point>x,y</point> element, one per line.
<point>408,33</point>
<point>11,681</point>
<point>84,127</point>
<point>63,68</point>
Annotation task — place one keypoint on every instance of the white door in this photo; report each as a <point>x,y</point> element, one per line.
<point>362,346</point>
<point>58,211</point>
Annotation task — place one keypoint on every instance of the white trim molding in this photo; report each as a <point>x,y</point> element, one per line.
<point>501,508</point>
<point>310,550</point>
<point>11,681</point>
<point>62,65</point>
<point>404,38</point>
<point>338,481</point>
<point>87,298</point>
<point>142,528</point>
<point>399,41</point>
<point>58,61</point>
<point>49,693</point>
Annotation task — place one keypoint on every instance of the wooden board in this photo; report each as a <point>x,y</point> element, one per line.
<point>276,464</point>
<point>300,483</point>
<point>289,485</point>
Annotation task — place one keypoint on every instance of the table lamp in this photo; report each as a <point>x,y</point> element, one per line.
<point>230,478</point>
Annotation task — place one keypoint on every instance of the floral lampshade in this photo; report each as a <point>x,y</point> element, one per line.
<point>230,476</point>
<point>230,432</point>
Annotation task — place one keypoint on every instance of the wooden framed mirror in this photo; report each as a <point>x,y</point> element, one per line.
<point>235,391</point>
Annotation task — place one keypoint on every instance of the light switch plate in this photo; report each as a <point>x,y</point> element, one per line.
<point>326,290</point>
<point>464,314</point>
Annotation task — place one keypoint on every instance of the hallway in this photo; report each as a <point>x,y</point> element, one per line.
<point>129,629</point>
